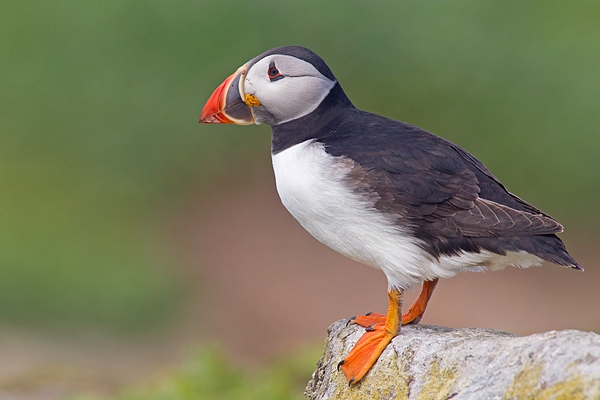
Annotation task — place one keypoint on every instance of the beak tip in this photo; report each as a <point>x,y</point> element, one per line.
<point>211,116</point>
<point>209,120</point>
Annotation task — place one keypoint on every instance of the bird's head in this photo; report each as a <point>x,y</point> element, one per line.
<point>278,86</point>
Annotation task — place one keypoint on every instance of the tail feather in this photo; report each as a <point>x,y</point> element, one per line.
<point>547,247</point>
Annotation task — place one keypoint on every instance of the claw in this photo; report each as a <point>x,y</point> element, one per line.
<point>340,364</point>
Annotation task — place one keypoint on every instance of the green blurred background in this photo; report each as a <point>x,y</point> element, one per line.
<point>101,153</point>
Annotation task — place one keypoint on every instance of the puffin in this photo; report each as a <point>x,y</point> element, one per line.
<point>382,192</point>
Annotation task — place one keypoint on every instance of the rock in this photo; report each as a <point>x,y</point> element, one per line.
<point>432,362</point>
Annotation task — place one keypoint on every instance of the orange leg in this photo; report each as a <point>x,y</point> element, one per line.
<point>414,314</point>
<point>416,311</point>
<point>372,343</point>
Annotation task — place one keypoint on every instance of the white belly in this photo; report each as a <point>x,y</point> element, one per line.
<point>315,189</point>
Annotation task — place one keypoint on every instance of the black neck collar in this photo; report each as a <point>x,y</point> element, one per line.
<point>319,123</point>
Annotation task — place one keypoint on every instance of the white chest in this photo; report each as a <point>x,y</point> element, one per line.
<point>311,186</point>
<point>315,189</point>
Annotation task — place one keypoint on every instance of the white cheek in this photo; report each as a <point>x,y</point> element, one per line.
<point>291,97</point>
<point>314,90</point>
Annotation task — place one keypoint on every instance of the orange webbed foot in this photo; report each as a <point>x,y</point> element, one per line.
<point>369,319</point>
<point>365,353</point>
<point>379,332</point>
<point>376,319</point>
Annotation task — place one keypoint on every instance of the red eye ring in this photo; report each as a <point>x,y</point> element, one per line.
<point>273,73</point>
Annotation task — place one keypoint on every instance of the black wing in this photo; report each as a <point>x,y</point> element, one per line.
<point>437,188</point>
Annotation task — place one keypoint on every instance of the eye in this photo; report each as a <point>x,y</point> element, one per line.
<point>273,72</point>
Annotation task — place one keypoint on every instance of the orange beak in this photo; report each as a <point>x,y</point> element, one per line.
<point>226,105</point>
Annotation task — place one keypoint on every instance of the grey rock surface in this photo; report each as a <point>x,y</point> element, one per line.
<point>431,362</point>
